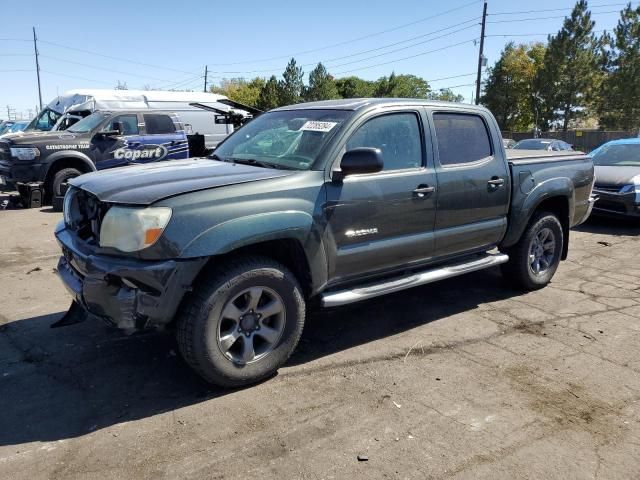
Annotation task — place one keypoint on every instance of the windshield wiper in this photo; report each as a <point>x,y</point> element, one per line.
<point>259,163</point>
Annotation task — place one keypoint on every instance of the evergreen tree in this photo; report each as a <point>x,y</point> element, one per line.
<point>321,85</point>
<point>291,86</point>
<point>269,95</point>
<point>571,76</point>
<point>620,95</point>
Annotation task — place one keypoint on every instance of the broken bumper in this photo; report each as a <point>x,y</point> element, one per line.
<point>128,293</point>
<point>616,204</point>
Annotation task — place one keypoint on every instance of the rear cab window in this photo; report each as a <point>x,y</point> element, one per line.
<point>461,138</point>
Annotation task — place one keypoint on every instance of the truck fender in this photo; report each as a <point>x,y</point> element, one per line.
<point>520,217</point>
<point>251,229</point>
<point>69,154</point>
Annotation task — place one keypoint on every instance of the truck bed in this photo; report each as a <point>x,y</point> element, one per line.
<point>535,156</point>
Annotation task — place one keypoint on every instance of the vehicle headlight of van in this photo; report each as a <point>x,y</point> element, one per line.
<point>130,229</point>
<point>25,153</point>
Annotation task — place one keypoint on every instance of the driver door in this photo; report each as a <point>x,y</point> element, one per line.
<point>383,221</point>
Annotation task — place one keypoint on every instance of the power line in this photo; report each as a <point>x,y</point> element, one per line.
<point>103,68</point>
<point>360,53</point>
<point>114,58</point>
<point>407,58</point>
<point>353,40</point>
<point>18,70</point>
<point>76,77</point>
<point>542,18</point>
<point>532,34</point>
<point>557,9</point>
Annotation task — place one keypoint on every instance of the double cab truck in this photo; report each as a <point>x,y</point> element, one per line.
<point>101,140</point>
<point>324,203</point>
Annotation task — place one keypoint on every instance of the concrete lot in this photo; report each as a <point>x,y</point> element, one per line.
<point>462,379</point>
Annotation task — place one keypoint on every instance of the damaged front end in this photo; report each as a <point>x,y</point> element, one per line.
<point>126,292</point>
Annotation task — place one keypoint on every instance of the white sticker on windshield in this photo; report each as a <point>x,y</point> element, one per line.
<point>314,126</point>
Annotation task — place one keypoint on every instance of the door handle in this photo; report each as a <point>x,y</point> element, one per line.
<point>496,182</point>
<point>423,190</point>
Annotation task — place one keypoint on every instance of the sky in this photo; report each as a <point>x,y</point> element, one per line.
<point>166,44</point>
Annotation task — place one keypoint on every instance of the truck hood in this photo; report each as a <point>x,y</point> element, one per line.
<point>145,184</point>
<point>37,138</point>
<point>611,175</point>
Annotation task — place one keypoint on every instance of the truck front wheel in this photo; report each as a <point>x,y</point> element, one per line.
<point>59,178</point>
<point>242,322</point>
<point>535,258</point>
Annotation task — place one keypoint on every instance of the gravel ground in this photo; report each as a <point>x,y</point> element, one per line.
<point>466,378</point>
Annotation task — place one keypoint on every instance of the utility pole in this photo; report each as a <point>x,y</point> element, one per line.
<point>481,54</point>
<point>206,71</point>
<point>35,49</point>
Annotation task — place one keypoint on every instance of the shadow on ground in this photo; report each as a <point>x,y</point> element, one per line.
<point>610,225</point>
<point>62,383</point>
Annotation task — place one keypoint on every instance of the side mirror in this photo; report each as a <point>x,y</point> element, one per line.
<point>361,160</point>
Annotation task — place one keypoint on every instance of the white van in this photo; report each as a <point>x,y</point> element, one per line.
<point>74,105</point>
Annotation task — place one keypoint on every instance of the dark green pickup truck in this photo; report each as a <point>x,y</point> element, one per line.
<point>332,202</point>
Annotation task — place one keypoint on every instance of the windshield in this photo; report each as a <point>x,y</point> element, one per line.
<point>5,127</point>
<point>286,139</point>
<point>88,123</point>
<point>533,144</point>
<point>44,121</point>
<point>619,155</point>
<point>17,127</point>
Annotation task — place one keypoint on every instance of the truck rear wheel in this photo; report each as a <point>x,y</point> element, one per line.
<point>242,322</point>
<point>535,258</point>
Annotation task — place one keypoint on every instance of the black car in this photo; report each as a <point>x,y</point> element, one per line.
<point>549,144</point>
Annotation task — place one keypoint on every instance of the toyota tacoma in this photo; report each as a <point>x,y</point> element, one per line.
<point>322,203</point>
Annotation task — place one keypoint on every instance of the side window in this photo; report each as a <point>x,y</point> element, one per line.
<point>397,135</point>
<point>128,123</point>
<point>158,124</point>
<point>462,138</point>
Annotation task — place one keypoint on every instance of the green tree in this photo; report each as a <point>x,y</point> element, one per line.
<point>241,90</point>
<point>445,95</point>
<point>291,86</point>
<point>354,87</point>
<point>510,89</point>
<point>401,86</point>
<point>570,79</point>
<point>322,86</point>
<point>620,95</point>
<point>269,95</point>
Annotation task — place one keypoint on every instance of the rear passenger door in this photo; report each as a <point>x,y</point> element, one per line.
<point>473,183</point>
<point>115,151</point>
<point>166,135</point>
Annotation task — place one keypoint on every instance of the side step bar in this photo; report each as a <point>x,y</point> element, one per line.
<point>342,297</point>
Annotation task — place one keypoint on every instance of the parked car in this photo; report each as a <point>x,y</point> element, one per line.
<point>508,142</point>
<point>15,127</point>
<point>101,140</point>
<point>334,202</point>
<point>5,125</point>
<point>549,144</point>
<point>617,169</point>
<point>191,108</point>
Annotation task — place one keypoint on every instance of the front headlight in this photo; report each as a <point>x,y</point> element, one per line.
<point>634,187</point>
<point>130,229</point>
<point>25,153</point>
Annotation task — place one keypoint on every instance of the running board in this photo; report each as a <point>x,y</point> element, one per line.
<point>342,297</point>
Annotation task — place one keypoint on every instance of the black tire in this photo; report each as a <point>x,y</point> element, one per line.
<point>520,269</point>
<point>61,177</point>
<point>200,321</point>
